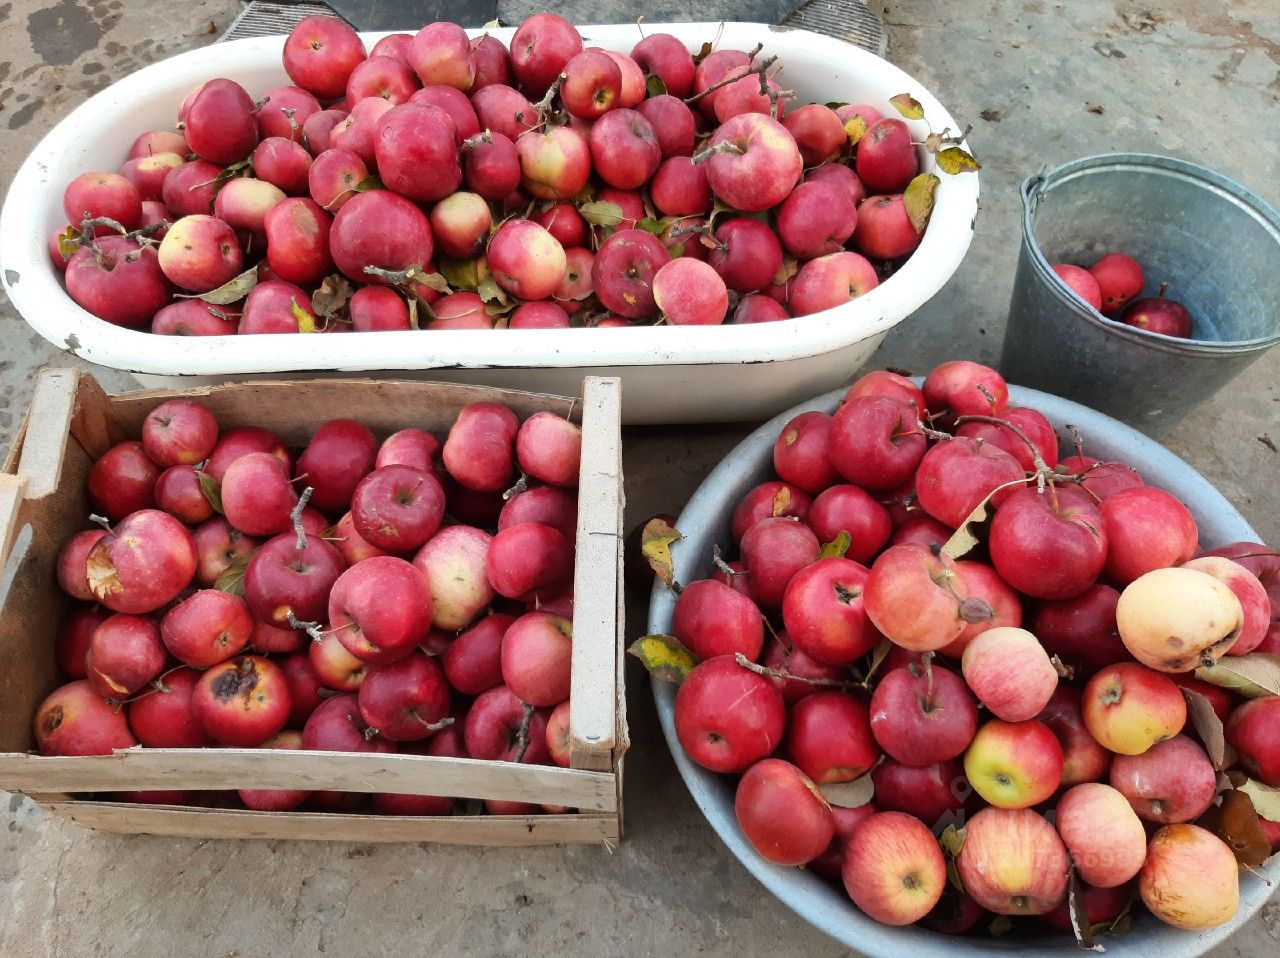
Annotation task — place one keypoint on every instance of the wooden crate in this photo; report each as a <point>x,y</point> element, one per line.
<point>43,501</point>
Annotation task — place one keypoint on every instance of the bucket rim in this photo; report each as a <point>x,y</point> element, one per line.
<point>1037,185</point>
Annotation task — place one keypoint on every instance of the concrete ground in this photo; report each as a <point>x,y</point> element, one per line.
<point>1193,80</point>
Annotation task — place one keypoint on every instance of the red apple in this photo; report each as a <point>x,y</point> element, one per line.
<point>1082,630</point>
<point>824,612</point>
<point>402,700</point>
<point>141,564</point>
<point>282,580</point>
<point>206,628</point>
<point>1173,781</point>
<point>380,609</point>
<point>1083,759</point>
<point>163,718</point>
<point>276,799</point>
<point>242,702</point>
<point>1014,764</point>
<point>935,794</point>
<point>1104,837</point>
<point>916,598</point>
<point>728,718</point>
<point>74,720</point>
<point>955,476</point>
<point>492,728</point>
<point>875,441</point>
<point>122,481</point>
<point>1146,529</point>
<point>1013,862</point>
<point>1254,732</point>
<point>774,550</point>
<point>782,813</point>
<point>1010,673</point>
<point>1128,708</point>
<point>893,869</point>
<point>962,388</point>
<point>923,715</point>
<point>712,619</point>
<point>829,737</point>
<point>536,655</point>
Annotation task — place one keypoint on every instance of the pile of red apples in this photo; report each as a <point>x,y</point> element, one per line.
<point>403,596</point>
<point>1112,286</point>
<point>440,182</point>
<point>962,672</point>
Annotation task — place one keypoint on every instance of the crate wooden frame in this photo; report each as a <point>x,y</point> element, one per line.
<point>42,502</point>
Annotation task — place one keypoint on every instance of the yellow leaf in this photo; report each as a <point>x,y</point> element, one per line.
<point>786,272</point>
<point>918,199</point>
<point>837,547</point>
<point>781,501</point>
<point>1266,800</point>
<point>952,840</point>
<point>954,160</point>
<point>908,106</point>
<point>655,545</point>
<point>665,658</point>
<point>306,322</point>
<point>854,128</point>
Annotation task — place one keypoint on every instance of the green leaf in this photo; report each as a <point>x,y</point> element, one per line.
<point>650,225</point>
<point>306,322</point>
<point>854,129</point>
<point>918,199</point>
<point>211,489</point>
<point>460,273</point>
<point>586,194</point>
<point>952,840</point>
<point>1001,927</point>
<point>229,292</point>
<point>665,658</point>
<point>435,281</point>
<point>370,182</point>
<point>654,86</point>
<point>954,160</point>
<point>228,174</point>
<point>837,547</point>
<point>1208,727</point>
<point>908,106</point>
<point>601,213</point>
<point>1254,676</point>
<point>231,580</point>
<point>853,794</point>
<point>1266,800</point>
<point>490,292</point>
<point>834,104</point>
<point>68,242</point>
<point>332,296</point>
<point>878,655</point>
<point>655,545</point>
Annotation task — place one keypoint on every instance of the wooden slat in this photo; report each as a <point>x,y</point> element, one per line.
<point>48,425</point>
<point>312,826</point>
<point>218,769</point>
<point>12,489</point>
<point>593,696</point>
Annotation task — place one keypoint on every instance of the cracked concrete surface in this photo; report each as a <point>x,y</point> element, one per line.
<point>1193,80</point>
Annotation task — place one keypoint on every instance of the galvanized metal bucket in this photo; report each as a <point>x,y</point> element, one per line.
<point>1216,243</point>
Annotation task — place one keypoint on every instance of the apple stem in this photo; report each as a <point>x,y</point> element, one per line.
<point>435,726</point>
<point>1163,289</point>
<point>311,628</point>
<point>723,566</point>
<point>1064,671</point>
<point>522,485</point>
<point>522,733</point>
<point>759,68</point>
<point>926,663</point>
<point>543,106</point>
<point>395,277</point>
<point>296,516</point>
<point>472,142</point>
<point>927,431</point>
<point>1256,874</point>
<point>100,520</point>
<point>787,675</point>
<point>724,146</point>
<point>1042,469</point>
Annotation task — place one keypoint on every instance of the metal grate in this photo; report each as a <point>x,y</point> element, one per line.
<point>848,20</point>
<point>264,19</point>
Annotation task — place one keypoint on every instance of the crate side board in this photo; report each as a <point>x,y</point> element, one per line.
<point>216,823</point>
